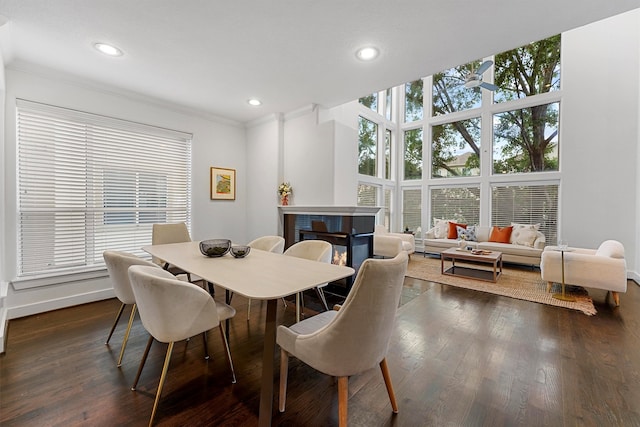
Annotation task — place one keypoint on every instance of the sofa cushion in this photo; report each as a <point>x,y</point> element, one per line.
<point>440,228</point>
<point>453,231</point>
<point>468,234</point>
<point>509,249</point>
<point>524,234</point>
<point>500,234</point>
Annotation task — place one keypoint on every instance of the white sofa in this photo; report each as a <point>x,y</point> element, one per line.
<point>602,268</point>
<point>389,245</point>
<point>511,252</point>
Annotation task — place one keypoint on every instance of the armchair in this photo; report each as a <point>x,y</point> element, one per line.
<point>604,268</point>
<point>388,245</point>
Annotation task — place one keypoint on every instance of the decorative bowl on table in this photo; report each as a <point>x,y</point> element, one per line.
<point>240,251</point>
<point>215,247</point>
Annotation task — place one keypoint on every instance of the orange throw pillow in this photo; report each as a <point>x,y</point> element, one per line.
<point>500,234</point>
<point>453,231</point>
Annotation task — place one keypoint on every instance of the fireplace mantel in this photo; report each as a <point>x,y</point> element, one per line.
<point>330,210</point>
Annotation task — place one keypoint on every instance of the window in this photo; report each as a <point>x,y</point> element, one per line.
<point>387,208</point>
<point>456,149</point>
<point>370,101</point>
<point>413,107</point>
<point>387,154</point>
<point>528,70</point>
<point>388,105</point>
<point>526,140</point>
<point>367,147</point>
<point>449,93</point>
<point>411,209</point>
<point>367,195</point>
<point>526,204</point>
<point>88,183</point>
<point>461,204</point>
<point>413,154</point>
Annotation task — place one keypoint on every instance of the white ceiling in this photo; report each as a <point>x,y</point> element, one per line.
<point>212,55</point>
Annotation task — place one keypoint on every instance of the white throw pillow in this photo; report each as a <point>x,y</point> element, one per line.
<point>441,228</point>
<point>524,234</point>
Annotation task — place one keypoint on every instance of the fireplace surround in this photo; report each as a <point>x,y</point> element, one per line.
<point>348,229</point>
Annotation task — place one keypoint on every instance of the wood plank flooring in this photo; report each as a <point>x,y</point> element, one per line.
<point>457,358</point>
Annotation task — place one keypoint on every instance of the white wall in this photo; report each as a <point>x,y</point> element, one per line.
<point>214,144</point>
<point>599,136</point>
<point>264,167</point>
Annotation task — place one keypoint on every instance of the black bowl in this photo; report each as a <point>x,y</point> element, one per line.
<point>240,251</point>
<point>215,247</point>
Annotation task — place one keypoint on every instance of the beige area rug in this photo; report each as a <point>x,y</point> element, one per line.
<point>514,282</point>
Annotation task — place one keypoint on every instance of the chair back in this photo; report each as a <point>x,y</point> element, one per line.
<point>169,233</point>
<point>118,264</point>
<point>358,337</point>
<point>170,309</point>
<point>268,243</point>
<point>315,250</point>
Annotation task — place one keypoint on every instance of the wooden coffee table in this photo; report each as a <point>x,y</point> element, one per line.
<point>492,258</point>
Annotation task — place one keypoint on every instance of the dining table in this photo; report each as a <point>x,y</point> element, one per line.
<point>259,275</point>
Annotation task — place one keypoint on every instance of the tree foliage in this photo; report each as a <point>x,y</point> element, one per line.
<point>367,144</point>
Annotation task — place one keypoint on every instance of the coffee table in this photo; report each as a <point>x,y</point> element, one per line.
<point>491,258</point>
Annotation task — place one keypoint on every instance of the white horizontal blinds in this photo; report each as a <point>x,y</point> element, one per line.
<point>460,204</point>
<point>411,209</point>
<point>88,183</point>
<point>367,195</point>
<point>526,204</point>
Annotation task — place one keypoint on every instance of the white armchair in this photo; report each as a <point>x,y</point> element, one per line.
<point>388,245</point>
<point>604,268</point>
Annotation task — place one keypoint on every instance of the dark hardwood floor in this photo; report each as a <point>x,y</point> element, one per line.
<point>457,358</point>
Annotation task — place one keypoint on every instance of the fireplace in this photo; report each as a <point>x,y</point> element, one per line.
<point>349,230</point>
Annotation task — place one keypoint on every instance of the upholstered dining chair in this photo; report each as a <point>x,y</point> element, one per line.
<point>172,233</point>
<point>273,244</point>
<point>316,250</point>
<point>173,310</point>
<point>118,264</point>
<point>355,338</point>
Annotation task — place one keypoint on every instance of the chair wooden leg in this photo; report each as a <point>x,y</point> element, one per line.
<point>249,309</point>
<point>126,334</point>
<point>142,361</point>
<point>163,376</point>
<point>549,284</point>
<point>227,352</point>
<point>387,382</point>
<point>343,398</point>
<point>297,307</point>
<point>284,373</point>
<point>616,297</point>
<point>113,328</point>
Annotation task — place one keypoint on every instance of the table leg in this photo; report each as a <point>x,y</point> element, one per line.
<point>268,356</point>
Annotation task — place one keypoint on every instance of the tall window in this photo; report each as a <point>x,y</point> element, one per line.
<point>461,204</point>
<point>88,183</point>
<point>411,208</point>
<point>456,149</point>
<point>413,96</point>
<point>413,154</point>
<point>367,147</point>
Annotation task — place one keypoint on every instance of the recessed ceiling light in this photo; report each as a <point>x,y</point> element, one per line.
<point>108,49</point>
<point>254,102</point>
<point>367,53</point>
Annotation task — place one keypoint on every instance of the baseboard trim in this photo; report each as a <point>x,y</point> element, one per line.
<point>55,304</point>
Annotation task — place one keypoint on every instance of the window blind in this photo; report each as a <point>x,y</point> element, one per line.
<point>460,204</point>
<point>526,204</point>
<point>88,183</point>
<point>411,208</point>
<point>367,195</point>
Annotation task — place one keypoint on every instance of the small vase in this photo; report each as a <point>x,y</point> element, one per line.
<point>284,201</point>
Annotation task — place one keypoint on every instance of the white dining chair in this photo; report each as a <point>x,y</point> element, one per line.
<point>118,264</point>
<point>273,244</point>
<point>173,233</point>
<point>173,310</point>
<point>353,339</point>
<point>316,250</point>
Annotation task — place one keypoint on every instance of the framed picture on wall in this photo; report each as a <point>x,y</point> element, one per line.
<point>223,184</point>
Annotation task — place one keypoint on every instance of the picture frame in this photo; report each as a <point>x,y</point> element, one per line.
<point>223,183</point>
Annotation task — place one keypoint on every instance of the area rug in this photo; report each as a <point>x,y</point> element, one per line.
<point>515,282</point>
